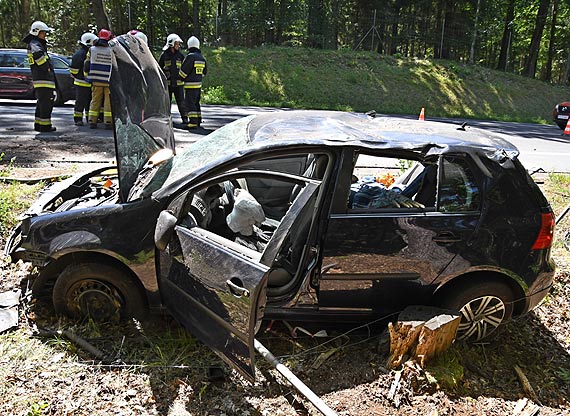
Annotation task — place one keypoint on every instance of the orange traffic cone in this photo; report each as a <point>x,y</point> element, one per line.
<point>567,128</point>
<point>422,115</point>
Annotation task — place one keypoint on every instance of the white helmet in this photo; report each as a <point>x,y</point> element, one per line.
<point>140,35</point>
<point>193,42</point>
<point>170,39</point>
<point>38,27</point>
<point>88,38</point>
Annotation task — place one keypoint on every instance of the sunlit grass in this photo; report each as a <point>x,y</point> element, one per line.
<point>363,81</point>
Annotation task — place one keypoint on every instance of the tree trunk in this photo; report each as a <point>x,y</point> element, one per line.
<point>101,18</point>
<point>269,29</point>
<point>315,29</point>
<point>334,23</point>
<point>196,18</point>
<point>548,69</point>
<point>507,37</point>
<point>531,63</point>
<point>421,333</point>
<point>474,37</point>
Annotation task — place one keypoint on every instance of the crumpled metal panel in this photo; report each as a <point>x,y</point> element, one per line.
<point>141,108</point>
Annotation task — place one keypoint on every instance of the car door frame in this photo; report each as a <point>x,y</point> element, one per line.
<point>256,286</point>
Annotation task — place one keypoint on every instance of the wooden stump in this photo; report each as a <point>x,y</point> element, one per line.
<point>421,333</point>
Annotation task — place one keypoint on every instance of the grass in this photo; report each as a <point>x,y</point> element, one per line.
<point>14,198</point>
<point>363,81</point>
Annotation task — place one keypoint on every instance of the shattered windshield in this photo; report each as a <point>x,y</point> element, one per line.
<point>225,140</point>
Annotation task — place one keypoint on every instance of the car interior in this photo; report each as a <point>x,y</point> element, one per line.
<point>245,210</point>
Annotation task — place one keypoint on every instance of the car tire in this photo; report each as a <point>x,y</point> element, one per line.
<point>58,98</point>
<point>484,306</point>
<point>97,291</point>
<point>561,125</point>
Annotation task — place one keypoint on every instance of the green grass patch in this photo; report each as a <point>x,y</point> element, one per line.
<point>363,81</point>
<point>14,198</point>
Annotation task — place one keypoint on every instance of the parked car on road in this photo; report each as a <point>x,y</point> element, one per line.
<point>16,76</point>
<point>561,113</point>
<point>281,216</point>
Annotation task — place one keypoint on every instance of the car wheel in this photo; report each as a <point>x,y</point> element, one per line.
<point>484,307</point>
<point>98,291</point>
<point>57,98</point>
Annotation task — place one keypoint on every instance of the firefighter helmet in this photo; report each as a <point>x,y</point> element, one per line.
<point>38,27</point>
<point>193,42</point>
<point>87,39</point>
<point>140,35</point>
<point>105,34</point>
<point>170,40</point>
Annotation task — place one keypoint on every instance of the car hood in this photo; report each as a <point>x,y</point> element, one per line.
<point>141,109</point>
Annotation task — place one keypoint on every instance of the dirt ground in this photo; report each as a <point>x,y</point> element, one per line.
<point>155,368</point>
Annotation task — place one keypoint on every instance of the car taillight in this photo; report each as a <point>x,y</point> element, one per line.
<point>544,238</point>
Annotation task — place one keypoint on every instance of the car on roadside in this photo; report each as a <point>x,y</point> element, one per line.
<point>16,76</point>
<point>280,216</point>
<point>561,113</point>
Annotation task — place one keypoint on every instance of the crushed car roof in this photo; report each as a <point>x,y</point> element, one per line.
<point>301,128</point>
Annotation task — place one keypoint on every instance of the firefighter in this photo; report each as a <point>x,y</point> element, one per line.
<point>170,61</point>
<point>82,86</point>
<point>97,68</point>
<point>43,75</point>
<point>192,70</point>
<point>140,35</point>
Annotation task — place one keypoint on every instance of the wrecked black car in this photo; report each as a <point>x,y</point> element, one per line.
<point>293,215</point>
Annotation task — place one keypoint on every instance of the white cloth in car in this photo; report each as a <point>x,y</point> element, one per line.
<point>246,213</point>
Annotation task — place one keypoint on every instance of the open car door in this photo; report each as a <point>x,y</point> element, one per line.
<point>216,287</point>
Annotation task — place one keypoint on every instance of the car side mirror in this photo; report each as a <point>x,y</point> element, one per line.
<point>164,229</point>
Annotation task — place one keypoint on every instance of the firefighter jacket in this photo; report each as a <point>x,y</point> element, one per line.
<point>171,62</point>
<point>76,67</point>
<point>98,63</point>
<point>40,64</point>
<point>193,69</point>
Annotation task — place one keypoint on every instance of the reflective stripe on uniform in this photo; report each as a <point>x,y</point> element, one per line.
<point>43,121</point>
<point>81,83</point>
<point>191,115</point>
<point>179,82</point>
<point>182,74</point>
<point>42,83</point>
<point>73,71</point>
<point>42,60</point>
<point>199,66</point>
<point>193,84</point>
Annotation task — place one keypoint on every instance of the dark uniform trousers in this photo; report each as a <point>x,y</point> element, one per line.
<point>44,107</point>
<point>82,102</point>
<point>178,92</point>
<point>193,106</point>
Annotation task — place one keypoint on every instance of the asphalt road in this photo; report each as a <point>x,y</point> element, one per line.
<point>541,146</point>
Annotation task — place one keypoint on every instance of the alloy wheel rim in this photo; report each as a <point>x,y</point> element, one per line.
<point>480,317</point>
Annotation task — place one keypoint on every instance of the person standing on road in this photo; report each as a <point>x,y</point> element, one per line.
<point>43,75</point>
<point>170,61</point>
<point>97,68</point>
<point>192,71</point>
<point>82,86</point>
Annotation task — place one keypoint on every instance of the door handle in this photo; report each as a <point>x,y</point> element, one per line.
<point>446,237</point>
<point>237,290</point>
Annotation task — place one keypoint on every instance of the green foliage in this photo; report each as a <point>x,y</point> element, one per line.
<point>14,198</point>
<point>363,81</point>
<point>447,369</point>
<point>38,409</point>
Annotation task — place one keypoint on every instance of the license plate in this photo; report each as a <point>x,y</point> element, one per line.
<point>562,117</point>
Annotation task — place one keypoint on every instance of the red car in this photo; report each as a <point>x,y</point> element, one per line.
<point>16,76</point>
<point>561,113</point>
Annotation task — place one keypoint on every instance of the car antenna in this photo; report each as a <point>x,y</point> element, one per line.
<point>462,128</point>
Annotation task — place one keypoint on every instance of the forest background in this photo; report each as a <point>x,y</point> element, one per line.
<point>505,59</point>
<point>528,37</point>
